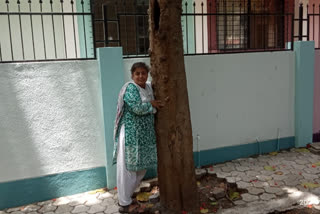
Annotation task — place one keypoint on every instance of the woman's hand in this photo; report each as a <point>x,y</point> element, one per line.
<point>156,104</point>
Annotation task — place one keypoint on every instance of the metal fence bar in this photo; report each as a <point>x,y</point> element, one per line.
<point>186,4</point>
<point>43,34</point>
<point>74,29</point>
<point>53,30</point>
<point>32,36</point>
<point>300,21</point>
<point>0,53</point>
<point>21,34</point>
<point>10,35</point>
<point>64,31</point>
<point>93,29</point>
<point>318,27</point>
<point>202,27</point>
<point>43,37</point>
<point>84,29</point>
<point>194,27</point>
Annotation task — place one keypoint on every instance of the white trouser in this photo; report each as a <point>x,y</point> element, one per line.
<point>127,181</point>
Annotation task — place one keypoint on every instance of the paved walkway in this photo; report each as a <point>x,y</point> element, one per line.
<point>276,181</point>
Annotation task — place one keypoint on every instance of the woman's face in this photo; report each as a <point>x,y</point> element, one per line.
<point>140,76</point>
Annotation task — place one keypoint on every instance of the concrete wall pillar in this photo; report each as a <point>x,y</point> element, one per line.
<point>112,79</point>
<point>304,89</point>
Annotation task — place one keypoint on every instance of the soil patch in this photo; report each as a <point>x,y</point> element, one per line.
<point>298,211</point>
<point>214,194</point>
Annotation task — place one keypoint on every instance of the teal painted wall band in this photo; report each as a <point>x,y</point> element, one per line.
<point>220,155</point>
<point>304,89</point>
<point>112,79</point>
<point>21,192</point>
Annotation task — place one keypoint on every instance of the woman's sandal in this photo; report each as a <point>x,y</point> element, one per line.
<point>126,209</point>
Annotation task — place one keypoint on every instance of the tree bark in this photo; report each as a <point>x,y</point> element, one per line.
<point>176,173</point>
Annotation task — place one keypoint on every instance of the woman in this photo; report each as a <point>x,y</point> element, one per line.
<point>134,135</point>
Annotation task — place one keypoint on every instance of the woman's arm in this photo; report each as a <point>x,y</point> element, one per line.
<point>133,100</point>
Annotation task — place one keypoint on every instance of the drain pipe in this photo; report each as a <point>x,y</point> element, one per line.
<point>198,139</point>
<point>278,140</point>
<point>259,146</point>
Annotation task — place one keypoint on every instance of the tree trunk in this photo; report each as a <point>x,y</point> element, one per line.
<point>176,173</point>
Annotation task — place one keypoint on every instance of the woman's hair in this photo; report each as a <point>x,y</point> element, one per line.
<point>139,65</point>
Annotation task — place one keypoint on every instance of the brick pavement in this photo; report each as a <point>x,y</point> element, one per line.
<point>291,178</point>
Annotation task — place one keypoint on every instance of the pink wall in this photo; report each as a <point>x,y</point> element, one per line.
<point>314,22</point>
<point>316,105</point>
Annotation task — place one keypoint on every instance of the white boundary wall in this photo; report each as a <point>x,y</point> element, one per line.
<point>50,119</point>
<point>239,98</point>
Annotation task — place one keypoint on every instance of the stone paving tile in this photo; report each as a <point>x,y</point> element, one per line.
<point>264,177</point>
<point>273,183</point>
<point>212,171</point>
<point>80,209</point>
<point>232,164</point>
<point>255,191</point>
<point>267,196</point>
<point>223,174</point>
<point>111,209</point>
<point>237,173</point>
<point>249,198</point>
<point>17,212</point>
<point>13,209</point>
<point>44,202</point>
<point>256,168</point>
<point>265,172</point>
<point>275,162</point>
<point>96,208</point>
<point>63,209</point>
<point>200,172</point>
<point>291,183</point>
<point>47,208</point>
<point>246,178</point>
<point>316,191</point>
<point>273,190</point>
<point>252,173</point>
<point>302,161</point>
<point>92,201</point>
<point>49,213</point>
<point>242,168</point>
<point>77,201</point>
<point>227,168</point>
<point>105,195</point>
<point>279,177</point>
<point>260,184</point>
<point>284,167</point>
<point>243,185</point>
<point>30,208</point>
<point>311,170</point>
<point>233,179</point>
<point>61,201</point>
<point>309,176</point>
<point>240,202</point>
<point>108,202</point>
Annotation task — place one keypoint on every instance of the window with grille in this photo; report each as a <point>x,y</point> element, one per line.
<point>249,24</point>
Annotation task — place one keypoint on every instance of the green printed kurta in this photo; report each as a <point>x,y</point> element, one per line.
<point>140,139</point>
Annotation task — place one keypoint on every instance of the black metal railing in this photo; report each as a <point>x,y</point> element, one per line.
<point>208,28</point>
<point>46,30</point>
<point>307,24</point>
